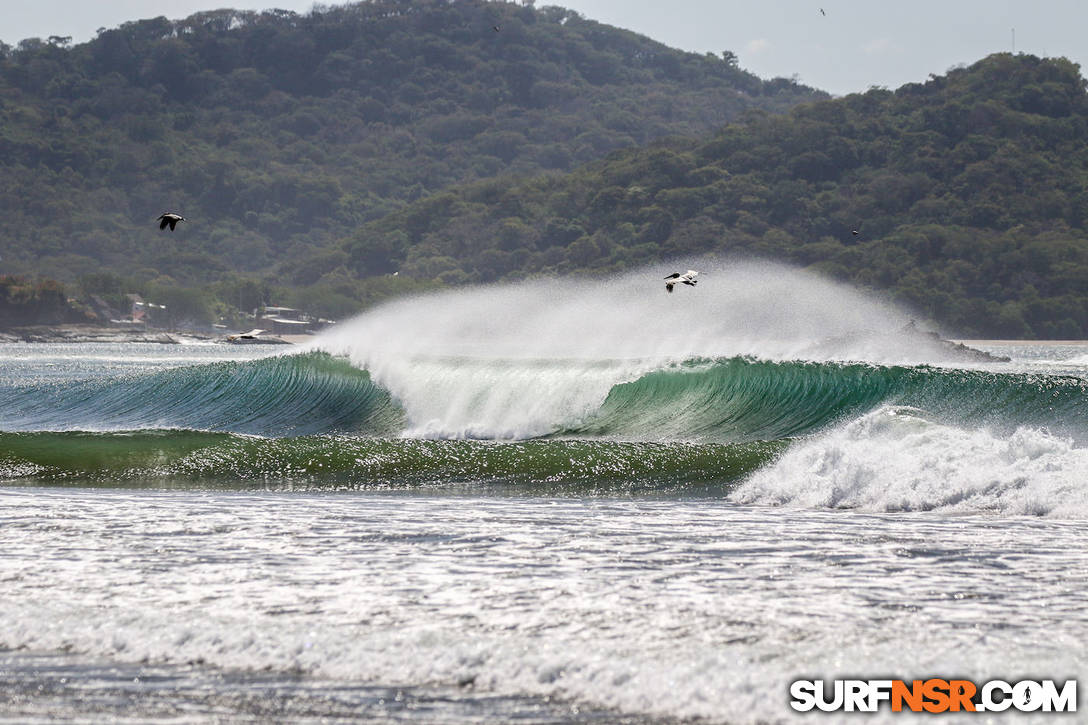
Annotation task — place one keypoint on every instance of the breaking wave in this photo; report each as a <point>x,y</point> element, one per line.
<point>824,434</point>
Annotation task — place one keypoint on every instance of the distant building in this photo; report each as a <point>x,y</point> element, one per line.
<point>287,320</point>
<point>140,311</point>
<point>285,313</point>
<point>139,308</point>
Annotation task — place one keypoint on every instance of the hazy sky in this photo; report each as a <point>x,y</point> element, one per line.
<point>856,44</point>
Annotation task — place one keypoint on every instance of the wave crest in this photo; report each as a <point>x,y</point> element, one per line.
<point>895,460</point>
<point>282,395</point>
<point>722,400</point>
<point>741,399</point>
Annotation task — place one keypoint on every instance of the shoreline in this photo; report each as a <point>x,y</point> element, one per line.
<point>99,333</point>
<point>109,334</point>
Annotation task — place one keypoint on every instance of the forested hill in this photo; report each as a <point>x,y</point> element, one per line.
<point>277,134</point>
<point>968,195</point>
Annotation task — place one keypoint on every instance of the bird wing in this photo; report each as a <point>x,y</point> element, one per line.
<point>164,222</point>
<point>690,274</point>
<point>668,287</point>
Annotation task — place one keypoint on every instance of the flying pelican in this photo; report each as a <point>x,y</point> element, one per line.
<point>169,217</point>
<point>687,278</point>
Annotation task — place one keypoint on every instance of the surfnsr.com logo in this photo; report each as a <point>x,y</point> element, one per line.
<point>933,695</point>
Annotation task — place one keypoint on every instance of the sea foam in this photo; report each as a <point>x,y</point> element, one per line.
<point>605,332</point>
<point>894,459</point>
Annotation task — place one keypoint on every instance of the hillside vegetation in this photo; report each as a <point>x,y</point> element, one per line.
<point>278,134</point>
<point>468,142</point>
<point>968,194</point>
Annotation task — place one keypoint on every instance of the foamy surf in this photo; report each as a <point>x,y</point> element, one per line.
<point>650,609</point>
<point>895,459</point>
<point>540,503</point>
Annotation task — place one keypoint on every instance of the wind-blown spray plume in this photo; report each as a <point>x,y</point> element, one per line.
<point>519,360</point>
<point>746,308</point>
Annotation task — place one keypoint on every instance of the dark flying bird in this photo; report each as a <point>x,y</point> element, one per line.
<point>687,278</point>
<point>495,28</point>
<point>822,12</point>
<point>169,217</point>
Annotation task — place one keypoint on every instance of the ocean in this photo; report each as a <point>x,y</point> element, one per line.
<point>548,502</point>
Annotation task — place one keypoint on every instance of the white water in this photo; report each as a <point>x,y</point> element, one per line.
<point>659,608</point>
<point>470,397</point>
<point>895,460</point>
<point>508,341</point>
<point>655,608</point>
